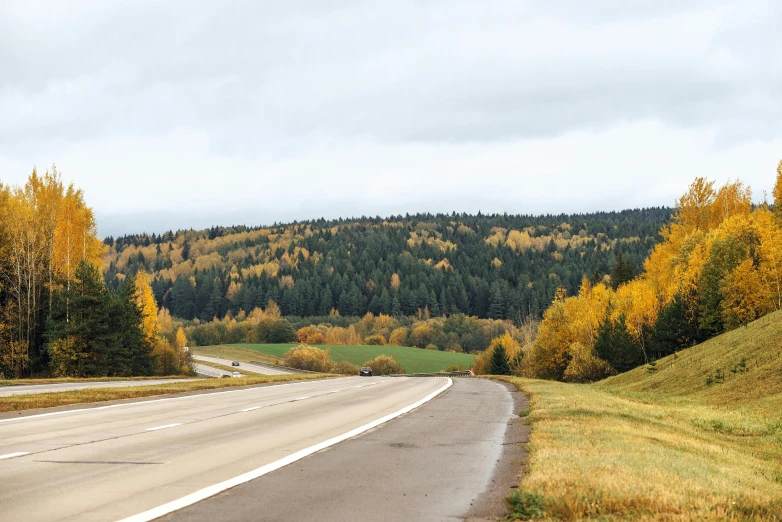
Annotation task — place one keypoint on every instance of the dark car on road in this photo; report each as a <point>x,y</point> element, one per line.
<point>234,363</point>
<point>366,370</point>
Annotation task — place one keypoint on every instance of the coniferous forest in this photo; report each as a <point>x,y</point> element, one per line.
<point>489,266</point>
<point>569,297</point>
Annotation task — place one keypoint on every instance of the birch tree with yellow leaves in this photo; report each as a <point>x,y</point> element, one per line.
<point>718,267</point>
<point>36,220</point>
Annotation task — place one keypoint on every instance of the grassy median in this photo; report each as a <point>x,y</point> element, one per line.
<point>90,395</point>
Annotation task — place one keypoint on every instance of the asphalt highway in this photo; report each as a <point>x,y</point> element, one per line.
<point>7,391</point>
<point>255,368</point>
<point>436,463</point>
<point>117,461</point>
<point>209,371</point>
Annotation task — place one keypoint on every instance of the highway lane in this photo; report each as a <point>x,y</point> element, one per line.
<point>255,368</point>
<point>23,389</point>
<point>112,462</point>
<point>436,463</point>
<point>209,371</point>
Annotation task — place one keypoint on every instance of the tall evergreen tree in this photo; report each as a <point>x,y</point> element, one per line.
<point>499,361</point>
<point>622,272</point>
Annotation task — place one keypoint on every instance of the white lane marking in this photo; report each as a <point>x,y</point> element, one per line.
<point>164,426</point>
<point>12,455</point>
<point>201,395</point>
<point>210,491</point>
<point>253,408</point>
<point>301,398</point>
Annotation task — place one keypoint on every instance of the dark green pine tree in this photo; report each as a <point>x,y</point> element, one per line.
<point>214,306</point>
<point>675,328</point>
<point>724,256</point>
<point>326,302</point>
<point>615,346</point>
<point>83,312</point>
<point>133,353</point>
<point>396,307</point>
<point>622,272</point>
<point>499,361</point>
<point>497,304</point>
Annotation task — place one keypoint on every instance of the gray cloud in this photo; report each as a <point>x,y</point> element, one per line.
<point>328,94</point>
<point>255,74</point>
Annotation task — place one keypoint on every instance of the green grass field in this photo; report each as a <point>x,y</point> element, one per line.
<point>675,443</point>
<point>413,360</point>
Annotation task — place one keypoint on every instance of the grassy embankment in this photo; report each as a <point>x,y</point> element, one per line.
<point>235,352</point>
<point>90,395</point>
<point>699,438</point>
<point>413,360</point>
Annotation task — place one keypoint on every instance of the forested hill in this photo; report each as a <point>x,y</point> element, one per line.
<point>498,266</point>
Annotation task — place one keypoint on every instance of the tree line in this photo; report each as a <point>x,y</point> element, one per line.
<point>57,315</point>
<point>718,267</point>
<point>487,266</point>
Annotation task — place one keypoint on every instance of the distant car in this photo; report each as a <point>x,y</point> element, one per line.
<point>223,376</point>
<point>236,374</point>
<point>366,370</point>
<point>234,363</point>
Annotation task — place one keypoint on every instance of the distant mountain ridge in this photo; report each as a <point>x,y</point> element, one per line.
<point>499,266</point>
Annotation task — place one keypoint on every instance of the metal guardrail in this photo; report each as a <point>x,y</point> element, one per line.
<point>465,373</point>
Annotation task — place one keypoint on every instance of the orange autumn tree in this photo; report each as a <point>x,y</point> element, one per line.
<point>719,266</point>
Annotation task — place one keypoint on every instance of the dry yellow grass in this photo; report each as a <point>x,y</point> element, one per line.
<point>48,400</point>
<point>663,445</point>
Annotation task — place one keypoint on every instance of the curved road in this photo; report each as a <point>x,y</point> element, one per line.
<point>255,368</point>
<point>128,460</point>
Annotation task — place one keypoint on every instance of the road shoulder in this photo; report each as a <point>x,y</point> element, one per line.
<point>511,467</point>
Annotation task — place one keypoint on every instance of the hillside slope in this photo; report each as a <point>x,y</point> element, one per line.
<point>497,266</point>
<point>742,367</point>
<point>675,443</point>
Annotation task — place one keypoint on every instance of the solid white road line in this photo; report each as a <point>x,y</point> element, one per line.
<point>12,455</point>
<point>200,395</point>
<point>210,491</point>
<point>164,426</point>
<point>253,408</point>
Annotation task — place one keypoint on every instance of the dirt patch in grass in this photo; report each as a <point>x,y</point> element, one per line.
<point>91,395</point>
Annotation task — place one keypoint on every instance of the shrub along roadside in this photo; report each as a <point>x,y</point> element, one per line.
<point>314,359</point>
<point>384,365</point>
<point>595,454</point>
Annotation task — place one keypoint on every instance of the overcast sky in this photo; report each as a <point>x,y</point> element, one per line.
<point>181,114</point>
